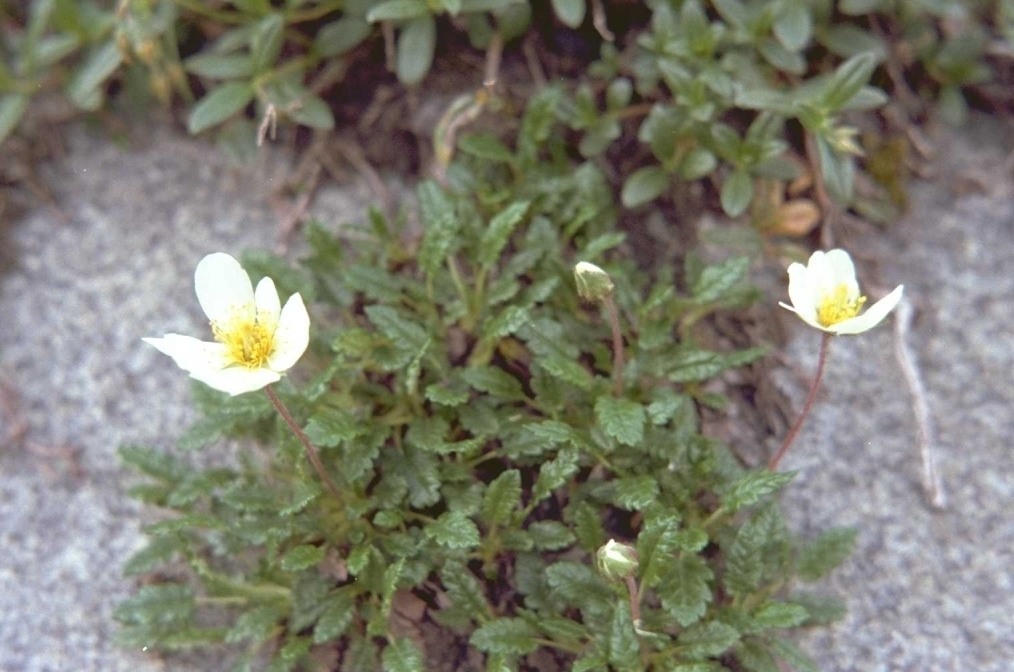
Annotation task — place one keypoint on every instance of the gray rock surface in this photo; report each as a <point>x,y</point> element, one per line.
<point>927,590</point>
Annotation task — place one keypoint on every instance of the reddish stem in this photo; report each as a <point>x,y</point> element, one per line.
<point>311,454</point>
<point>811,396</point>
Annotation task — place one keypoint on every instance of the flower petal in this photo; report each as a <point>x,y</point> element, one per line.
<point>843,272</point>
<point>191,354</point>
<point>820,275</point>
<point>237,379</point>
<point>268,304</point>
<point>872,317</point>
<point>292,335</point>
<point>801,293</point>
<point>222,287</point>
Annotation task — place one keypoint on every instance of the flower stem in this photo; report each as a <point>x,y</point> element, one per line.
<point>311,454</point>
<point>614,323</point>
<point>811,396</point>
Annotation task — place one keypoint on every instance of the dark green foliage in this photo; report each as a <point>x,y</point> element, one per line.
<point>462,399</point>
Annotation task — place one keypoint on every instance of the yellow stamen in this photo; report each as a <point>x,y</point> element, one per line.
<point>835,306</point>
<point>250,341</point>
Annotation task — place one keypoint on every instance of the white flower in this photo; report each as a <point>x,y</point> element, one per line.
<point>825,295</point>
<point>256,339</point>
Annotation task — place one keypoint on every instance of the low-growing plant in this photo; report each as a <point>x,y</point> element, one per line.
<point>517,469</point>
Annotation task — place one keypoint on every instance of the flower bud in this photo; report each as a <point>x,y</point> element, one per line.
<point>593,284</point>
<point>616,562</point>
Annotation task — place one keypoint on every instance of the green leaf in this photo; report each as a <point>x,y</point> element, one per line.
<point>706,640</point>
<point>485,146</point>
<point>403,333</point>
<point>755,657</point>
<point>332,426</point>
<point>494,381</point>
<point>567,370</point>
<point>621,419</point>
<point>154,463</point>
<point>436,210</point>
<point>826,552</point>
<point>846,81</point>
<point>402,655</point>
<point>341,36</point>
<point>507,636</point>
<point>555,473</point>
<point>302,557</point>
<point>698,163</point>
<point>635,493</point>
<point>361,656</point>
<point>220,104</point>
<point>12,109</point>
<point>685,589</point>
<point>838,172</point>
<point>445,395</point>
<point>498,232</point>
<point>550,535</point>
<point>266,42</point>
<point>793,655</point>
<point>780,615</point>
<point>570,12</point>
<point>794,26</point>
<point>643,186</point>
<point>255,625</point>
<point>715,281</point>
<point>464,590</point>
<point>507,322</point>
<point>453,529</point>
<point>691,365</point>
<point>84,88</point>
<point>588,527</point>
<point>416,43</point>
<point>737,192</point>
<point>600,244</point>
<point>501,498</point>
<point>580,586</point>
<point>161,606</point>
<point>753,487</point>
<point>159,551</point>
<point>427,433</point>
<point>624,647</point>
<point>220,66</point>
<point>397,10</point>
<point>311,111</point>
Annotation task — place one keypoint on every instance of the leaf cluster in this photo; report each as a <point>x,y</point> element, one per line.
<point>461,397</point>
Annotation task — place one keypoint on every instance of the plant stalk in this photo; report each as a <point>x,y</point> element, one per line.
<point>811,396</point>
<point>311,454</point>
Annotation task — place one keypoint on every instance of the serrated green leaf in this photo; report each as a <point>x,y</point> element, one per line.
<point>826,552</point>
<point>737,192</point>
<point>716,280</point>
<point>600,244</point>
<point>494,381</point>
<point>440,224</point>
<point>555,473</point>
<point>427,433</point>
<point>302,557</point>
<point>358,559</point>
<point>588,527</point>
<point>453,529</point>
<point>780,615</point>
<point>688,365</point>
<point>823,609</point>
<point>154,463</point>
<point>502,497</point>
<point>624,647</point>
<point>255,625</point>
<point>341,36</point>
<point>685,588</point>
<point>163,606</point>
<point>446,395</point>
<point>159,551</point>
<point>550,535</point>
<point>580,586</point>
<point>419,469</point>
<point>361,656</point>
<point>221,103</point>
<point>499,231</point>
<point>402,655</point>
<point>290,655</point>
<point>755,657</point>
<point>397,10</point>
<point>400,329</point>
<point>745,558</point>
<point>335,618</point>
<point>621,419</point>
<point>793,655</point>
<point>706,640</point>
<point>464,590</point>
<point>643,186</point>
<point>566,370</point>
<point>332,426</point>
<point>506,636</point>
<point>506,323</point>
<point>635,493</point>
<point>753,487</point>
<point>417,42</point>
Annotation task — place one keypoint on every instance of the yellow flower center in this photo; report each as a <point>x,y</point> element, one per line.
<point>836,306</point>
<point>250,341</point>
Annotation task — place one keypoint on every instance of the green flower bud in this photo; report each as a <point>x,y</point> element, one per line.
<point>593,284</point>
<point>616,562</point>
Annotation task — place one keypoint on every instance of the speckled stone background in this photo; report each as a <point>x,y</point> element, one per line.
<point>928,591</point>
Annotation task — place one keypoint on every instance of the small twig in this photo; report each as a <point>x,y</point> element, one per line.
<point>494,55</point>
<point>931,482</point>
<point>353,153</point>
<point>268,126</point>
<point>297,211</point>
